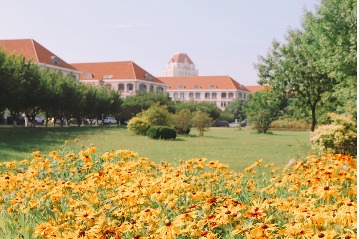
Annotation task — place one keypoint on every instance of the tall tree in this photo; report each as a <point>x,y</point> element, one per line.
<point>318,60</point>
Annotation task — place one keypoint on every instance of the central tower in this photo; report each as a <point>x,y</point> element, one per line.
<point>180,65</point>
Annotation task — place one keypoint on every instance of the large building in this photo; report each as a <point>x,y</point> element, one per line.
<point>126,77</point>
<point>34,52</point>
<point>180,65</point>
<point>220,90</point>
<point>180,81</point>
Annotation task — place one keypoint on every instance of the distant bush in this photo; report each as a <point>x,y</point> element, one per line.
<point>161,132</point>
<point>182,121</point>
<point>138,125</point>
<point>338,137</point>
<point>289,123</point>
<point>157,115</point>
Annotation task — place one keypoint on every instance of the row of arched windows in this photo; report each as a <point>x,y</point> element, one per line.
<point>208,95</point>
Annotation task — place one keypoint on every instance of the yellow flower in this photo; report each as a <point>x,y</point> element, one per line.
<point>168,231</point>
<point>43,230</point>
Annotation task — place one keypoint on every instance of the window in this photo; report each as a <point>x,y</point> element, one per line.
<point>224,95</point>
<point>196,86</point>
<point>240,95</point>
<point>182,95</point>
<point>198,95</point>
<point>191,95</point>
<point>212,86</point>
<point>129,86</point>
<point>151,88</point>
<point>142,87</point>
<point>230,95</point>
<point>55,60</point>
<point>108,86</point>
<point>223,104</point>
<point>180,86</point>
<point>148,76</point>
<point>175,95</point>
<point>159,89</point>
<point>214,95</point>
<point>88,76</point>
<point>207,95</point>
<point>121,86</point>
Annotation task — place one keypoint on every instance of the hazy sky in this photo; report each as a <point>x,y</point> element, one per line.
<point>221,37</point>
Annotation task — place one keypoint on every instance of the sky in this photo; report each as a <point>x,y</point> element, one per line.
<point>221,37</point>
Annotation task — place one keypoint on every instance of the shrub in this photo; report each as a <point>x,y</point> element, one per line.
<point>138,125</point>
<point>290,123</point>
<point>338,137</point>
<point>201,121</point>
<point>161,132</point>
<point>182,121</point>
<point>157,115</point>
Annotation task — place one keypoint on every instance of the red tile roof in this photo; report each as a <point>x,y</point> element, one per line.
<point>201,82</point>
<point>32,51</point>
<point>113,70</point>
<point>254,88</point>
<point>180,58</point>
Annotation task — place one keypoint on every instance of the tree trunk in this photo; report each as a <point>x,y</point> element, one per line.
<point>314,119</point>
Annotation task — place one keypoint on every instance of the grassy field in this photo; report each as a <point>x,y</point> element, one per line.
<point>238,148</point>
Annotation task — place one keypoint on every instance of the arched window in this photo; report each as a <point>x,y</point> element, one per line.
<point>159,89</point>
<point>198,95</point>
<point>214,95</point>
<point>240,95</point>
<point>142,87</point>
<point>175,95</point>
<point>191,95</point>
<point>224,95</point>
<point>121,86</point>
<point>230,95</point>
<point>207,95</point>
<point>129,86</point>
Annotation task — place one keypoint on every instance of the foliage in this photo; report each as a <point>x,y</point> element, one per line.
<point>26,88</point>
<point>262,109</point>
<point>208,107</point>
<point>338,137</point>
<point>157,115</point>
<point>142,101</point>
<point>119,194</point>
<point>290,123</point>
<point>317,62</point>
<point>182,121</point>
<point>161,132</point>
<point>201,121</point>
<point>237,109</point>
<point>139,125</point>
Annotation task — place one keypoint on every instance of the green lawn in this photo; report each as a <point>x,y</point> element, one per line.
<point>238,148</point>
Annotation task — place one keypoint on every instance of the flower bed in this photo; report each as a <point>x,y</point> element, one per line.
<point>122,195</point>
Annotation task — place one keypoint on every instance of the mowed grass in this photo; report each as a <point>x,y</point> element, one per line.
<point>238,148</point>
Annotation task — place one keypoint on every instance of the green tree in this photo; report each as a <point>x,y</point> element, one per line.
<point>14,77</point>
<point>237,109</point>
<point>318,62</point>
<point>334,26</point>
<point>201,121</point>
<point>182,121</point>
<point>157,115</point>
<point>142,101</point>
<point>262,108</point>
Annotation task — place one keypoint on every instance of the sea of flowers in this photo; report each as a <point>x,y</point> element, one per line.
<point>120,194</point>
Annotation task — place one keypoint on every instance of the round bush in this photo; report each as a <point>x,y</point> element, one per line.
<point>138,125</point>
<point>161,132</point>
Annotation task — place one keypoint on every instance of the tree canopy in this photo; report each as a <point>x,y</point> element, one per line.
<point>318,61</point>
